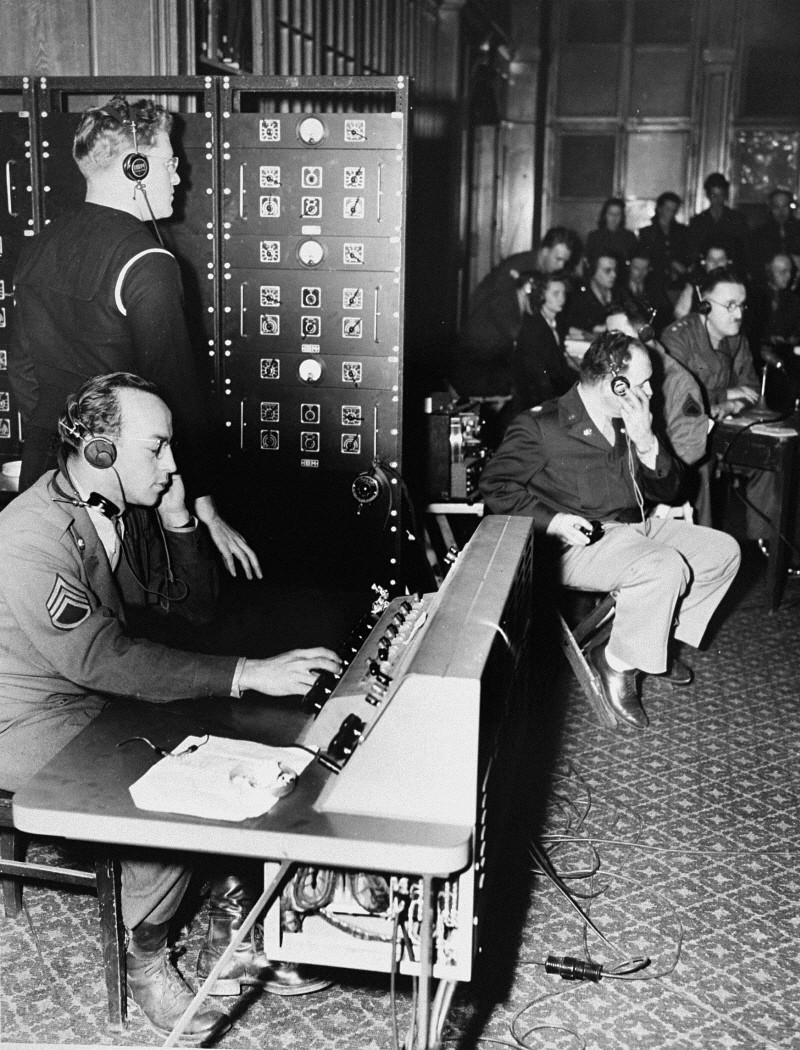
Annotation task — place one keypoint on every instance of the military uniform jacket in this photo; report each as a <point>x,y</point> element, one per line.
<point>677,405</point>
<point>554,460</point>
<point>64,630</point>
<point>730,365</point>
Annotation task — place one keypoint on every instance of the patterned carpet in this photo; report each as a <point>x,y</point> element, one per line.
<point>681,841</point>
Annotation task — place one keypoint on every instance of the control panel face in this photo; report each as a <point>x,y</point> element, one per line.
<point>312,288</point>
<point>16,223</point>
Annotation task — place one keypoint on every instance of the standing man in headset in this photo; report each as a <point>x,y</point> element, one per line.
<point>582,466</point>
<point>105,538</point>
<point>96,293</point>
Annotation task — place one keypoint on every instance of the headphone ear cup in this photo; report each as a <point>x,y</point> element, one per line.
<point>100,452</point>
<point>136,167</point>
<point>704,307</point>
<point>620,385</point>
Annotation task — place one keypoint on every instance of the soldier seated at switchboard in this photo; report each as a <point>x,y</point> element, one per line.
<point>105,537</point>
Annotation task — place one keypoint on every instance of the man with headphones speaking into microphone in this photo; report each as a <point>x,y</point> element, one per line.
<point>96,293</point>
<point>103,541</point>
<point>582,467</point>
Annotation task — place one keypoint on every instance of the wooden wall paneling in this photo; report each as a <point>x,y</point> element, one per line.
<point>517,189</point>
<point>715,115</point>
<point>41,37</point>
<point>90,37</point>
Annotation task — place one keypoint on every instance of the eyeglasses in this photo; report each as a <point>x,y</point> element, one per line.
<point>170,163</point>
<point>731,307</point>
<point>159,449</point>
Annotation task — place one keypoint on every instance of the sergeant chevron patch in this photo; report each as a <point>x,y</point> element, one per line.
<point>67,605</point>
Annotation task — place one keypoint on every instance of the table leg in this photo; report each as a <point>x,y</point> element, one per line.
<point>270,892</point>
<point>425,966</point>
<point>781,525</point>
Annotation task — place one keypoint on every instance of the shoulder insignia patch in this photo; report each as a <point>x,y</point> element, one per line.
<point>67,605</point>
<point>691,407</point>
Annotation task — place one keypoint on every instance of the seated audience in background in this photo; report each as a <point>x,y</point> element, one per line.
<point>719,224</point>
<point>481,363</point>
<point>775,315</point>
<point>103,541</point>
<point>540,369</point>
<point>611,236</point>
<point>667,243</point>
<point>639,282</point>
<point>714,348</point>
<point>679,418</point>
<point>592,455</point>
<point>689,299</point>
<point>586,311</point>
<point>780,233</point>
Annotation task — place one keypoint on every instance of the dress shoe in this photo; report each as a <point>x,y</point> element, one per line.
<point>619,690</point>
<point>678,673</point>
<point>286,978</point>
<point>229,903</point>
<point>161,993</point>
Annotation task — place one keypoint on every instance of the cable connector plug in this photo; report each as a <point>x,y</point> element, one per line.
<point>572,969</point>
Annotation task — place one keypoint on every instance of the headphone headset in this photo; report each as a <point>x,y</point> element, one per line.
<point>703,307</point>
<point>647,333</point>
<point>99,452</point>
<point>135,165</point>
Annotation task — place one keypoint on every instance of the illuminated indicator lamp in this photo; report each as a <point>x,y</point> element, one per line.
<point>311,130</point>
<point>310,370</point>
<point>310,253</point>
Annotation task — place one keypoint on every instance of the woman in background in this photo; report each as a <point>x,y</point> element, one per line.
<point>540,370</point>
<point>611,236</point>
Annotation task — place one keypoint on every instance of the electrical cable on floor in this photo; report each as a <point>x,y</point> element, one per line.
<point>576,813</point>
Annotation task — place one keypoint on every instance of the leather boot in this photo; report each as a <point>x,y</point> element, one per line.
<point>229,903</point>
<point>161,993</point>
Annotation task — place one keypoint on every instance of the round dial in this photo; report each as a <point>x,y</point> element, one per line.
<point>310,370</point>
<point>310,253</point>
<point>311,130</point>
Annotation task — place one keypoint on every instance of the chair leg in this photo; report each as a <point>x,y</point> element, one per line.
<point>589,682</point>
<point>11,849</point>
<point>112,933</point>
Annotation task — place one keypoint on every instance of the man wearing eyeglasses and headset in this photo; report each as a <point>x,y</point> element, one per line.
<point>101,544</point>
<point>97,293</point>
<point>712,345</point>
<point>710,342</point>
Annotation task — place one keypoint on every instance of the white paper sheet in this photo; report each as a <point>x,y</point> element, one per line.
<point>222,780</point>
